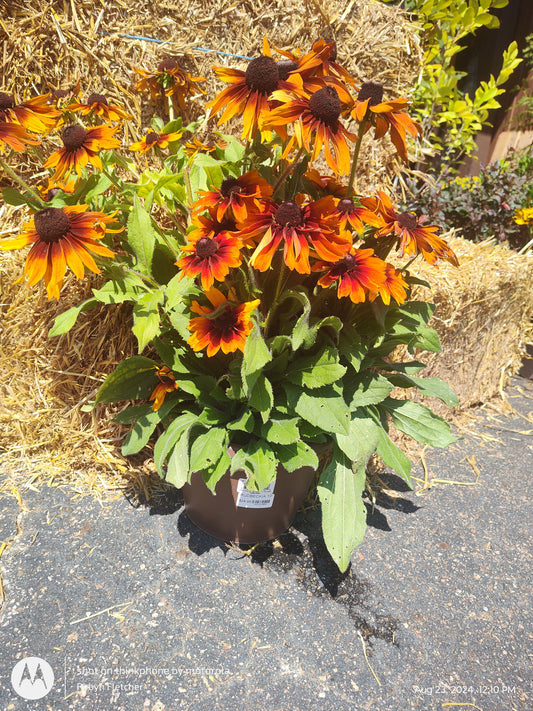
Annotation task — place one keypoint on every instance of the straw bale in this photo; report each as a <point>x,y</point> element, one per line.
<point>46,383</point>
<point>484,318</point>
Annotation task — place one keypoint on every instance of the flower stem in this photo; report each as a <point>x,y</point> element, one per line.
<point>286,172</point>
<point>21,182</point>
<point>362,129</point>
<point>276,296</point>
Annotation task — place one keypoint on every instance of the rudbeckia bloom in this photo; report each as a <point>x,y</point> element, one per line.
<point>153,139</point>
<point>61,237</point>
<point>316,124</point>
<point>300,227</point>
<point>167,383</point>
<point>385,115</point>
<point>15,136</point>
<point>413,234</point>
<point>170,80</point>
<point>34,115</point>
<point>248,94</point>
<point>348,212</point>
<point>236,196</point>
<point>357,274</point>
<point>212,250</point>
<point>81,146</point>
<point>228,330</point>
<point>52,188</point>
<point>98,104</point>
<point>395,286</point>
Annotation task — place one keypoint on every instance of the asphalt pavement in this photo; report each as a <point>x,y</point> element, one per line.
<point>114,607</point>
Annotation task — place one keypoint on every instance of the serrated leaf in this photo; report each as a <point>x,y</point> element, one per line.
<point>132,379</point>
<point>213,474</point>
<point>281,431</point>
<point>431,387</point>
<point>419,422</point>
<point>244,423</point>
<point>323,407</point>
<point>296,455</point>
<point>314,371</point>
<point>262,398</point>
<point>64,322</point>
<point>141,235</point>
<point>340,491</point>
<point>206,448</point>
<point>258,460</point>
<point>256,356</point>
<point>146,318</point>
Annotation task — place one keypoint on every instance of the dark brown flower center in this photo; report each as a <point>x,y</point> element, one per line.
<point>96,99</point>
<point>225,323</point>
<point>206,247</point>
<point>151,138</point>
<point>407,220</point>
<point>167,65</point>
<point>345,205</point>
<point>7,101</point>
<point>288,214</point>
<point>344,265</point>
<point>60,93</point>
<point>51,224</point>
<point>285,67</point>
<point>371,90</point>
<point>325,105</point>
<point>73,137</point>
<point>262,75</point>
<point>50,195</point>
<point>230,185</point>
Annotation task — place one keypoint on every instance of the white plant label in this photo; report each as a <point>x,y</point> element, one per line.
<point>255,499</point>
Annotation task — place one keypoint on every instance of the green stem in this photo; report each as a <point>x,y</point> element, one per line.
<point>145,277</point>
<point>362,129</point>
<point>276,296</point>
<point>112,178</point>
<point>286,172</point>
<point>21,182</point>
<point>188,188</point>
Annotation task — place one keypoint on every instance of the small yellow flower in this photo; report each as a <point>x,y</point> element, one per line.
<point>524,216</point>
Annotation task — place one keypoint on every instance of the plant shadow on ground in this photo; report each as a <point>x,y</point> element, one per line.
<point>303,552</point>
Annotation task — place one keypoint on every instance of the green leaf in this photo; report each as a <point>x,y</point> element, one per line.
<point>205,173</point>
<point>64,322</point>
<point>340,491</point>
<point>362,439</point>
<point>141,432</point>
<point>281,431</point>
<point>132,379</point>
<point>244,423</point>
<point>169,438</point>
<point>262,398</point>
<point>256,356</point>
<point>141,235</point>
<point>295,455</point>
<point>323,407</point>
<point>393,456</point>
<point>351,347</point>
<point>146,318</point>
<point>258,460</point>
<point>206,448</point>
<point>12,196</point>
<point>410,367</point>
<point>367,388</point>
<point>316,370</point>
<point>427,339</point>
<point>117,291</point>
<point>213,474</point>
<point>419,422</point>
<point>431,387</point>
<point>178,464</point>
<point>301,327</point>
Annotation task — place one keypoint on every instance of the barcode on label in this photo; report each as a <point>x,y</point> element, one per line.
<point>254,499</point>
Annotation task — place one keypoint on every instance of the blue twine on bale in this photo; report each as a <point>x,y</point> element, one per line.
<point>157,41</point>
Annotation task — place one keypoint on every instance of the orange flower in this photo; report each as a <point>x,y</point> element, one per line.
<point>61,237</point>
<point>52,188</point>
<point>413,234</point>
<point>349,212</point>
<point>15,136</point>
<point>236,197</point>
<point>248,94</point>
<point>316,124</point>
<point>81,146</point>
<point>167,383</point>
<point>35,115</point>
<point>325,184</point>
<point>153,139</point>
<point>227,330</point>
<point>385,115</point>
<point>395,286</point>
<point>170,80</point>
<point>98,104</point>
<point>300,227</point>
<point>212,250</point>
<point>357,274</point>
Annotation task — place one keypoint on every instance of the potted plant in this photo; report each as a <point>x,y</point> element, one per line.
<point>268,295</point>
